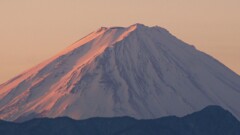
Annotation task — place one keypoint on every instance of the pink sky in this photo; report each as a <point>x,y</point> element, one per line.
<point>32,31</point>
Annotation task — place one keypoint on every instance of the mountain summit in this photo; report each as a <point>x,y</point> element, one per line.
<point>137,71</point>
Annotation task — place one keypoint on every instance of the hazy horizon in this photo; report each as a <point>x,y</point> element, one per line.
<point>33,31</point>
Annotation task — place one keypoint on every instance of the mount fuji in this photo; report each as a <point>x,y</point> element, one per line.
<point>137,71</point>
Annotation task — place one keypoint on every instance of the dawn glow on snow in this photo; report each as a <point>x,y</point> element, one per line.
<point>32,31</point>
<point>139,67</point>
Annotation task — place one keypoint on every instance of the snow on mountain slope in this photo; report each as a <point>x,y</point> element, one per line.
<point>138,71</point>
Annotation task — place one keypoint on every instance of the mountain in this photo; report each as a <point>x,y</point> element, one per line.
<point>138,71</point>
<point>212,120</point>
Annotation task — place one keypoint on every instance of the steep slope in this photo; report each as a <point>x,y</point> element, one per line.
<point>138,71</point>
<point>212,120</point>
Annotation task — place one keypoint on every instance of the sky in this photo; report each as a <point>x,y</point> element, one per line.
<point>34,30</point>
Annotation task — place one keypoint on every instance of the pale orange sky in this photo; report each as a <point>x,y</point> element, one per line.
<point>34,30</point>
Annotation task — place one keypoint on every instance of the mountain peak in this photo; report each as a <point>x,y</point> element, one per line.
<point>139,25</point>
<point>137,71</point>
<point>133,26</point>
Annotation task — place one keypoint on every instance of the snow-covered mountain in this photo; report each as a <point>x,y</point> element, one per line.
<point>138,71</point>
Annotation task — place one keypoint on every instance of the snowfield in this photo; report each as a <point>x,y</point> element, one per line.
<point>138,71</point>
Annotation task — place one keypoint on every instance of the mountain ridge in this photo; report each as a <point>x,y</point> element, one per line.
<point>219,121</point>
